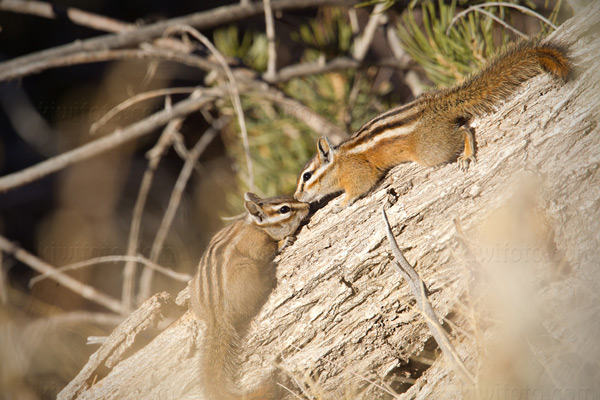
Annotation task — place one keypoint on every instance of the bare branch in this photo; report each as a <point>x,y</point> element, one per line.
<point>77,16</point>
<point>418,290</point>
<point>303,113</point>
<point>86,291</point>
<point>235,96</point>
<point>362,44</point>
<point>108,142</point>
<point>136,99</point>
<point>81,317</point>
<point>154,155</point>
<point>336,64</point>
<point>25,65</point>
<point>112,259</point>
<point>163,230</point>
<point>479,8</point>
<point>272,48</point>
<point>153,53</point>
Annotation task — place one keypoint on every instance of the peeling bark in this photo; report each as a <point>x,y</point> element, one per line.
<point>341,316</point>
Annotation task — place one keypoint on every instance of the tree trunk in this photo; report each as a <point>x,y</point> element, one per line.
<point>341,322</point>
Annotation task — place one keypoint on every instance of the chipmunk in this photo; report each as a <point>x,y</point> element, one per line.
<point>431,130</point>
<point>235,277</point>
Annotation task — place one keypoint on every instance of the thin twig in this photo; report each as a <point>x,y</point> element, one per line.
<point>306,115</point>
<point>154,156</point>
<point>271,45</point>
<point>418,290</point>
<point>86,291</point>
<point>151,52</point>
<point>336,64</point>
<point>79,317</point>
<point>500,21</point>
<point>479,8</point>
<point>77,16</point>
<point>362,43</point>
<point>176,194</point>
<point>234,92</point>
<point>219,16</point>
<point>111,259</point>
<point>148,52</point>
<point>136,99</point>
<point>108,142</point>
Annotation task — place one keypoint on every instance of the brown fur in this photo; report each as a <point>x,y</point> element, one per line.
<point>431,130</point>
<point>234,279</point>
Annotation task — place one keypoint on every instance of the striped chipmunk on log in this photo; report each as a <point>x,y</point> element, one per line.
<point>431,130</point>
<point>235,276</point>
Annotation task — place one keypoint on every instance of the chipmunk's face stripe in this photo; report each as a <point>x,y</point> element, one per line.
<point>392,132</point>
<point>316,175</point>
<point>315,171</point>
<point>275,218</point>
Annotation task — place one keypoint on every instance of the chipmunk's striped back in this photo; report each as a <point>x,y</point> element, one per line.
<point>431,130</point>
<point>235,277</point>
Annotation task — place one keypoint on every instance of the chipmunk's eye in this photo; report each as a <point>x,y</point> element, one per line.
<point>306,176</point>
<point>284,210</point>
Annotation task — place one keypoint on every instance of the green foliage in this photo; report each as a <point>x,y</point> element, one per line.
<point>281,144</point>
<point>251,48</point>
<point>330,33</point>
<point>449,56</point>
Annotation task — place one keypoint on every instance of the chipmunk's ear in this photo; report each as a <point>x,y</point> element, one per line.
<point>325,150</point>
<point>249,196</point>
<point>253,207</point>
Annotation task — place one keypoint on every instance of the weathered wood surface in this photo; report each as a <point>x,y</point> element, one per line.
<point>341,315</point>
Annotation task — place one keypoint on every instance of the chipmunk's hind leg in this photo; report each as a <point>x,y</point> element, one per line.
<point>468,154</point>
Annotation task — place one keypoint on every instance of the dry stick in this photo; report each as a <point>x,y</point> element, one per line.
<point>136,99</point>
<point>26,65</point>
<point>298,110</point>
<point>109,55</point>
<point>283,75</point>
<point>79,317</point>
<point>243,76</point>
<point>336,64</point>
<point>235,97</point>
<point>479,8</point>
<point>152,52</point>
<point>108,142</point>
<point>77,16</point>
<point>83,18</point>
<point>112,259</point>
<point>500,21</point>
<point>85,291</point>
<point>154,156</point>
<point>184,175</point>
<point>418,290</point>
<point>363,43</point>
<point>272,49</point>
<point>145,126</point>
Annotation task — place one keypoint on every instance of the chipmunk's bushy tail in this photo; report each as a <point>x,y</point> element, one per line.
<point>219,367</point>
<point>497,81</point>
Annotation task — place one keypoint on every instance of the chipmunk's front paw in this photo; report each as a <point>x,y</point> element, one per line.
<point>287,242</point>
<point>464,161</point>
